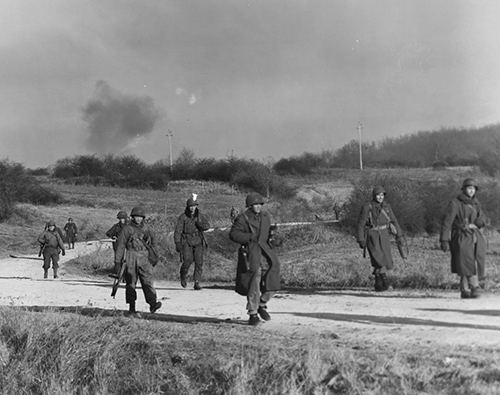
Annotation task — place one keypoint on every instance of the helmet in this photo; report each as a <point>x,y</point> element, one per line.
<point>121,215</point>
<point>378,190</point>
<point>51,222</point>
<point>254,198</point>
<point>469,182</point>
<point>191,202</point>
<point>138,211</point>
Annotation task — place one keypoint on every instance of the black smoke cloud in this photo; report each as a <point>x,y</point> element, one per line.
<point>114,119</point>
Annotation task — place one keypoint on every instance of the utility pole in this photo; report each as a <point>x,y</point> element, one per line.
<point>169,135</point>
<point>360,128</point>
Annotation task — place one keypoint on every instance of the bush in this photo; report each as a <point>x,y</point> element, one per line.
<point>18,186</point>
<point>418,205</point>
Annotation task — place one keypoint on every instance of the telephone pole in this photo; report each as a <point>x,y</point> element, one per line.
<point>169,135</point>
<point>360,128</point>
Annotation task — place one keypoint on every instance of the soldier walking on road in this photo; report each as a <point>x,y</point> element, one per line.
<point>71,233</point>
<point>133,250</point>
<point>461,233</point>
<point>50,244</point>
<point>258,274</point>
<point>114,232</point>
<point>190,241</point>
<point>375,225</point>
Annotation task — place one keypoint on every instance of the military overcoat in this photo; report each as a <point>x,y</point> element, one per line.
<point>374,232</point>
<point>253,230</point>
<point>467,246</point>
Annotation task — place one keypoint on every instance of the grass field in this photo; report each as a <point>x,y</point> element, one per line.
<point>62,353</point>
<point>49,352</point>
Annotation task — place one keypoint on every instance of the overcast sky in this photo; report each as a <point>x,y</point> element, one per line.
<point>257,79</point>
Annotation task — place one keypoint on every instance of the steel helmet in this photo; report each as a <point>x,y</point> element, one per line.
<point>191,202</point>
<point>121,215</point>
<point>378,190</point>
<point>138,211</point>
<point>469,182</point>
<point>51,222</point>
<point>254,198</point>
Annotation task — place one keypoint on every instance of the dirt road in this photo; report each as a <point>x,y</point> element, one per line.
<point>359,317</point>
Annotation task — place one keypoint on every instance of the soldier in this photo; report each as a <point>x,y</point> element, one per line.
<point>114,232</point>
<point>133,249</point>
<point>461,233</point>
<point>252,229</point>
<point>375,225</point>
<point>71,233</point>
<point>190,241</point>
<point>50,244</point>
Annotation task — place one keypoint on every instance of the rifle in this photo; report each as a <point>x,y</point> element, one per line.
<point>25,257</point>
<point>116,282</point>
<point>366,242</point>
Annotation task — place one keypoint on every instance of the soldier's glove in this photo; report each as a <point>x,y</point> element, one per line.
<point>178,247</point>
<point>362,244</point>
<point>445,246</point>
<point>63,252</point>
<point>40,253</point>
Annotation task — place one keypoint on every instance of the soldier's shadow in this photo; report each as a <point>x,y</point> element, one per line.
<point>486,312</point>
<point>375,319</point>
<point>99,312</point>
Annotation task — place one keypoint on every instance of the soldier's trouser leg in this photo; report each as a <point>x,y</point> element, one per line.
<point>198,262</point>
<point>188,256</point>
<point>131,278</point>
<point>468,282</point>
<point>255,298</point>
<point>50,255</point>
<point>145,274</point>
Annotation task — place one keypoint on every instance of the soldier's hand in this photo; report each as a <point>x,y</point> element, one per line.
<point>362,244</point>
<point>63,252</point>
<point>445,246</point>
<point>39,253</point>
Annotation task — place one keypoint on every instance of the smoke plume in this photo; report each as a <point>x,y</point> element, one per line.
<point>115,120</point>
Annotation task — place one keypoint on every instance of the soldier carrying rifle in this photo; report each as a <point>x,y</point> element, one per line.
<point>135,248</point>
<point>376,224</point>
<point>50,245</point>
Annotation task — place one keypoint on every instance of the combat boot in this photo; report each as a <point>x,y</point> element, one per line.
<point>379,286</point>
<point>253,320</point>
<point>131,308</point>
<point>465,294</point>
<point>55,273</point>
<point>183,281</point>
<point>474,292</point>
<point>154,307</point>
<point>197,286</point>
<point>384,281</point>
<point>45,274</point>
<point>264,314</point>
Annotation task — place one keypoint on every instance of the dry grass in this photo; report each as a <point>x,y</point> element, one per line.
<point>64,353</point>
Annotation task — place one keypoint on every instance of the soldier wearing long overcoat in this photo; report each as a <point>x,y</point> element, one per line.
<point>258,273</point>
<point>71,233</point>
<point>462,234</point>
<point>376,224</point>
<point>115,231</point>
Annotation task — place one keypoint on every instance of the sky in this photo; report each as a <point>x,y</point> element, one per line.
<point>256,78</point>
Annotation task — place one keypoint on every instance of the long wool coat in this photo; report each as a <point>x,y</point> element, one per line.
<point>377,240</point>
<point>467,246</point>
<point>244,226</point>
